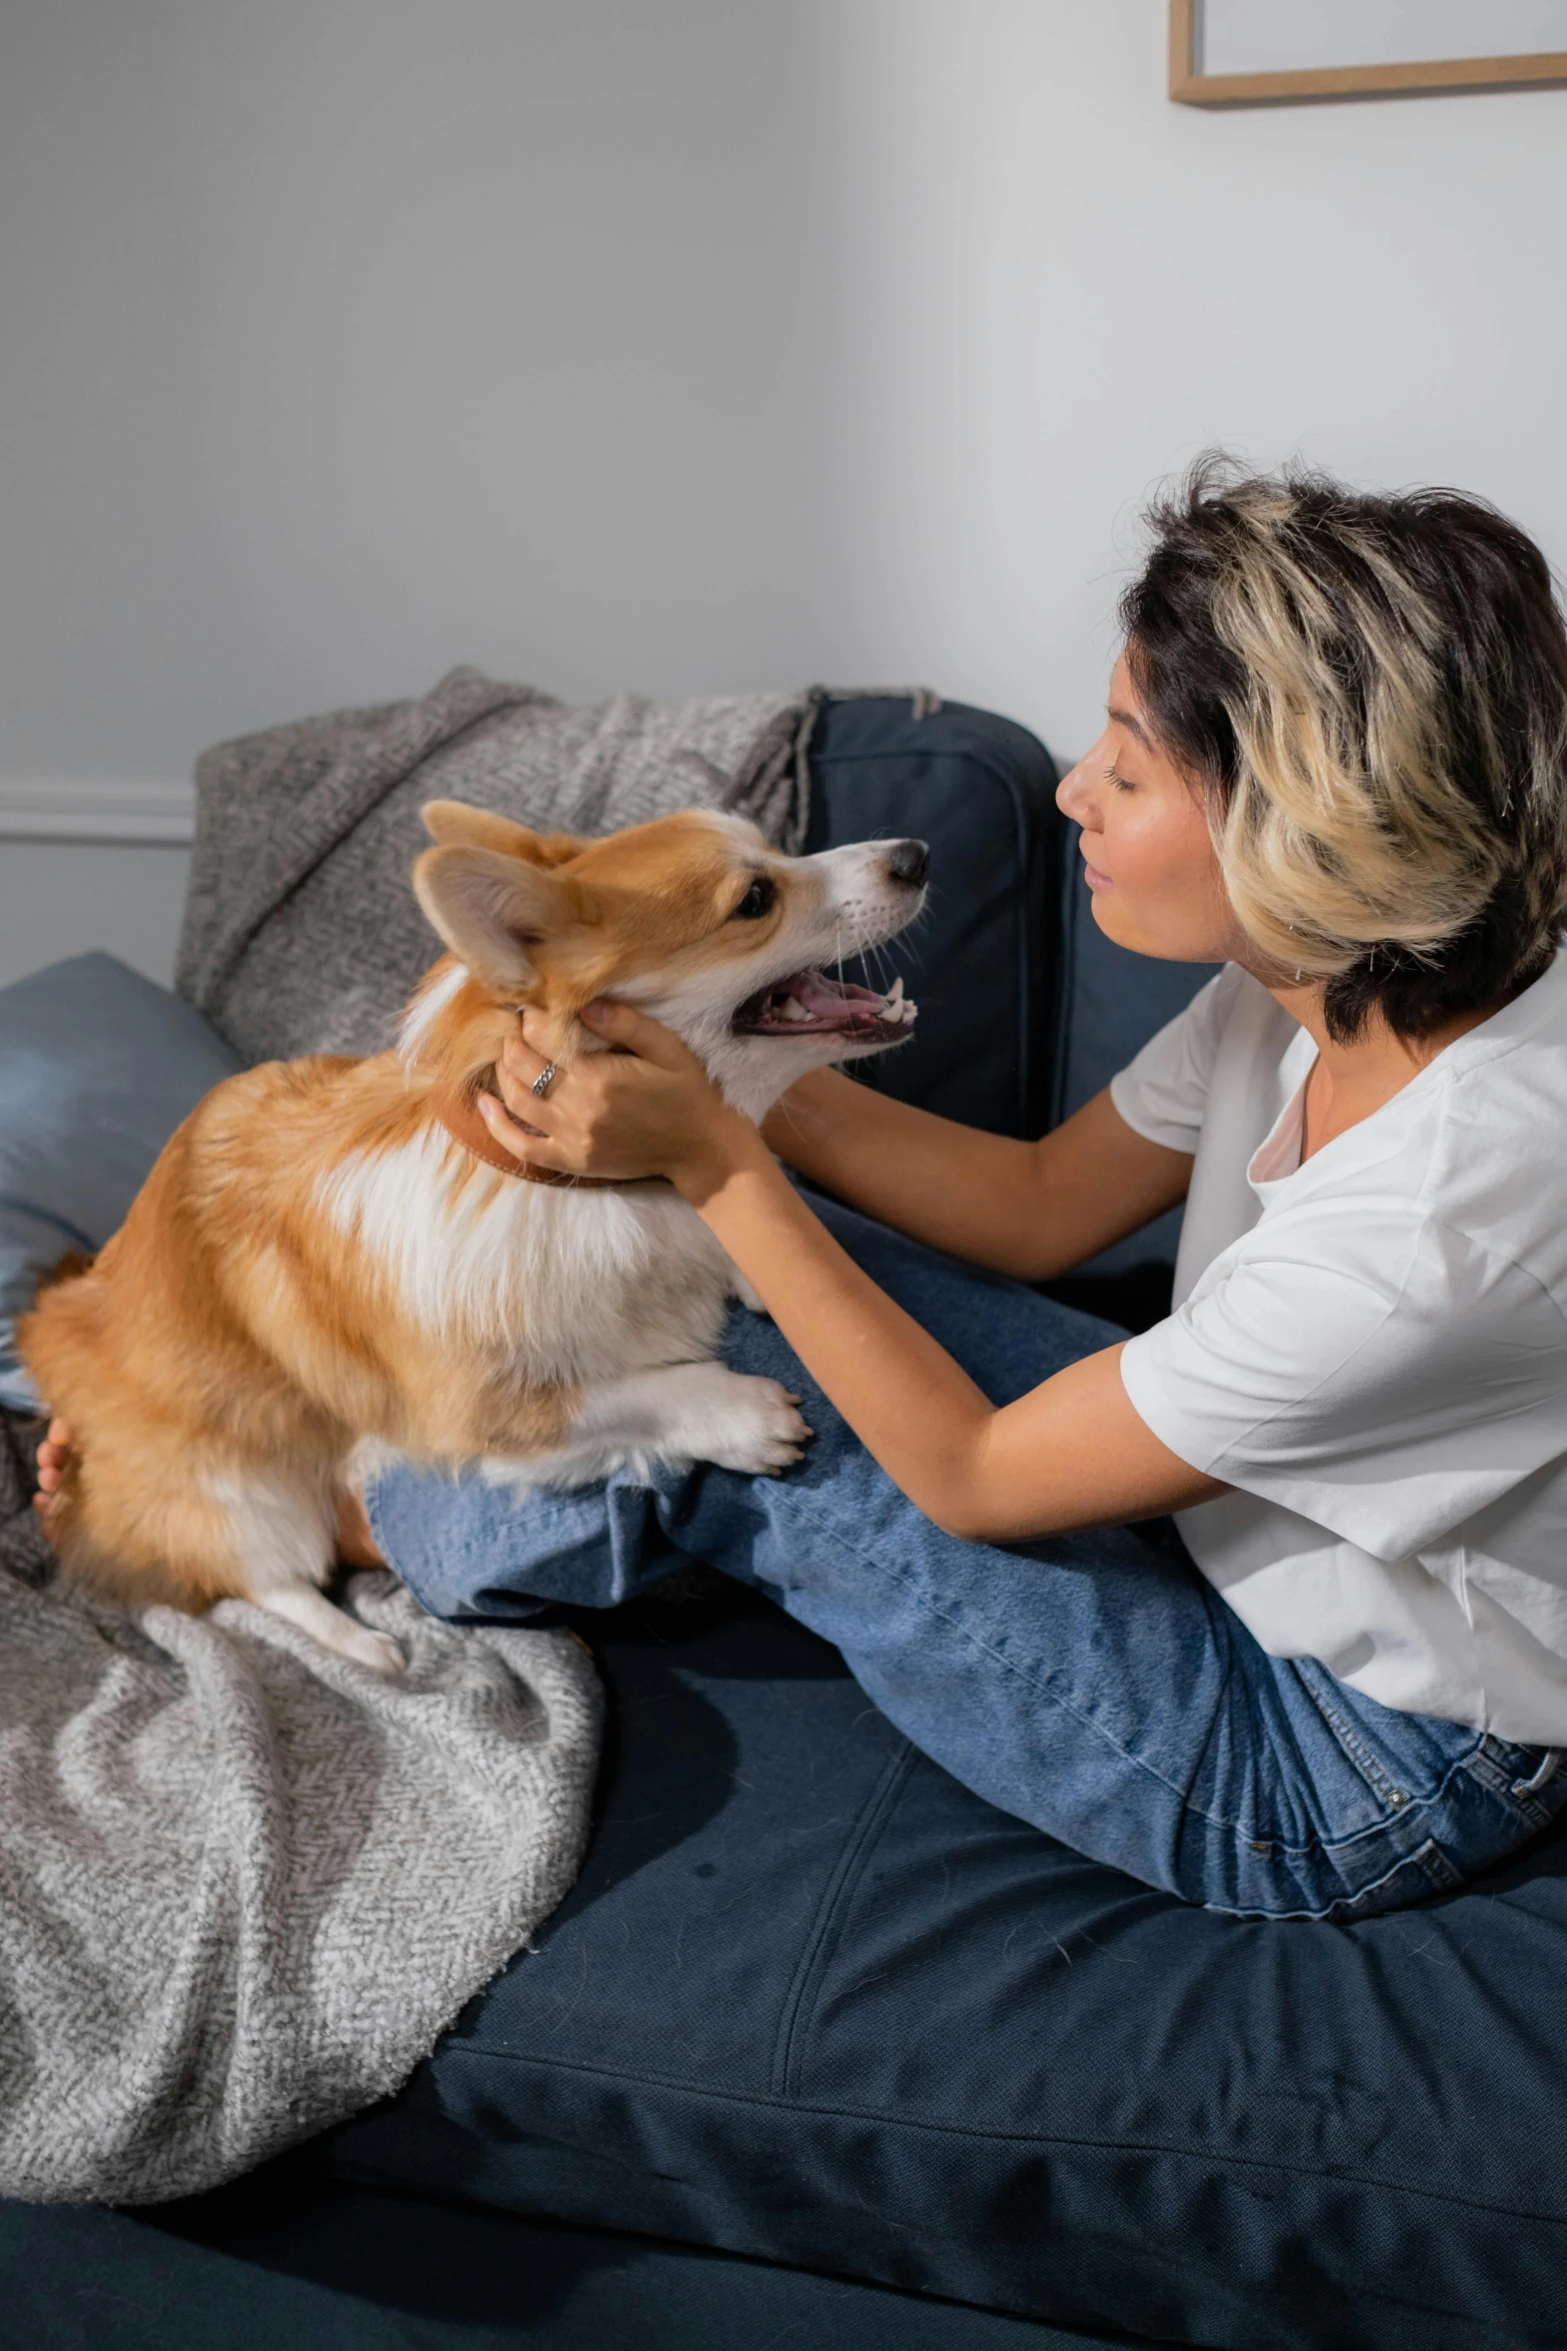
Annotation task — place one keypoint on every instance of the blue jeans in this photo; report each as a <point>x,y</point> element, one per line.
<point>1093,1684</point>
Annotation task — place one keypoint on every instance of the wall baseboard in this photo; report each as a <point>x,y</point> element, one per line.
<point>161,814</point>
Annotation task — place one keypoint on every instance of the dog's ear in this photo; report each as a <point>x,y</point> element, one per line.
<point>452,821</point>
<point>495,910</point>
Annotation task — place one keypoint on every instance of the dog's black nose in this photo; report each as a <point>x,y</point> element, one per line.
<point>909,861</point>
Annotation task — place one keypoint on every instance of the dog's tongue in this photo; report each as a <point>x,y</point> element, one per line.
<point>825,998</point>
<point>808,1003</point>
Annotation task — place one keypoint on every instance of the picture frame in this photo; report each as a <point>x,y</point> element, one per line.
<point>1192,85</point>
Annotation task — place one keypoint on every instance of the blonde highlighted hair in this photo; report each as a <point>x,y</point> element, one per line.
<point>1373,692</point>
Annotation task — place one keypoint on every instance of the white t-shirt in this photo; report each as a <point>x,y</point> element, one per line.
<point>1371,1349</point>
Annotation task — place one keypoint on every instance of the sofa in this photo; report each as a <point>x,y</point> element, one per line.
<point>821,2049</point>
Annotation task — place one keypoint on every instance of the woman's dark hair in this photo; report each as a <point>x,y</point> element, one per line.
<point>1372,691</point>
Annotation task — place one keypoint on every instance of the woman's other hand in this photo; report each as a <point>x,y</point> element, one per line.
<point>646,1108</point>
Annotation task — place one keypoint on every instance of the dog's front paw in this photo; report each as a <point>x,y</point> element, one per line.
<point>756,1428</point>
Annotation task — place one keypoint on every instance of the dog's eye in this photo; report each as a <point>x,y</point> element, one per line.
<point>759,899</point>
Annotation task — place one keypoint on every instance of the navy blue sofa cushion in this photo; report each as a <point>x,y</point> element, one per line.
<point>812,2000</point>
<point>287,2261</point>
<point>985,962</point>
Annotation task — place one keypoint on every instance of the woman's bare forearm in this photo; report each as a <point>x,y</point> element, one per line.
<point>955,1188</point>
<point>1073,1453</point>
<point>911,1404</point>
<point>1025,1209</point>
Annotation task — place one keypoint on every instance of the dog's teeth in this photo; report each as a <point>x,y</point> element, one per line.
<point>794,1009</point>
<point>895,992</point>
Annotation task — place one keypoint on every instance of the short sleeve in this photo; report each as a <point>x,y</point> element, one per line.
<point>1163,1093</point>
<point>1363,1366</point>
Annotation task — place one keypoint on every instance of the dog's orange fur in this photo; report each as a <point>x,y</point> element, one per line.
<point>231,1325</point>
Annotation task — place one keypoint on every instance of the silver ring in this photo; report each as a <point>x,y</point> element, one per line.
<point>545,1079</point>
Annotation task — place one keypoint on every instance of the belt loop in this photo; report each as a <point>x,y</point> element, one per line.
<point>1542,1778</point>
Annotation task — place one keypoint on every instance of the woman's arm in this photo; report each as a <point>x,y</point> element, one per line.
<point>1073,1453</point>
<point>1025,1209</point>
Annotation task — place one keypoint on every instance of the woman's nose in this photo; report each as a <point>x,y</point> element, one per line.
<point>1074,795</point>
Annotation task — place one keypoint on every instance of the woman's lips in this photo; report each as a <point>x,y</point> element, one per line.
<point>1094,878</point>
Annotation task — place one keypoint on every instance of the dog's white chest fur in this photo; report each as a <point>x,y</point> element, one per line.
<point>575,1284</point>
<point>620,1291</point>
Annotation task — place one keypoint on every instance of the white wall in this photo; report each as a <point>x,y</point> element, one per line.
<point>681,344</point>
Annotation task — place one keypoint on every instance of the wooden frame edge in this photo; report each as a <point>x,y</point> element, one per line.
<point>1540,68</point>
<point>1182,79</point>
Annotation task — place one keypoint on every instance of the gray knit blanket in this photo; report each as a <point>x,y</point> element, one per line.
<point>243,1884</point>
<point>302,934</point>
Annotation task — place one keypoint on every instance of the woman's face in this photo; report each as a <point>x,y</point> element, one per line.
<point>1146,846</point>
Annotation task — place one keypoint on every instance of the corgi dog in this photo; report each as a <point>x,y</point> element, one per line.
<point>333,1262</point>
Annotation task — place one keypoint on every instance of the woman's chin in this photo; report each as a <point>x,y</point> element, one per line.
<point>1161,940</point>
<point>1110,913</point>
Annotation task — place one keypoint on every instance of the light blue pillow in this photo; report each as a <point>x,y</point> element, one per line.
<point>97,1068</point>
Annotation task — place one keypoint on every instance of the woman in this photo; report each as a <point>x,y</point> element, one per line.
<point>1335,758</point>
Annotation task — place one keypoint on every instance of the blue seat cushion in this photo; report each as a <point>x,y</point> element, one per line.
<point>284,2261</point>
<point>812,2000</point>
<point>97,1068</point>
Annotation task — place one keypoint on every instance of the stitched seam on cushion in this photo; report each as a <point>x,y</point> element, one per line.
<point>800,2004</point>
<point>954,2130</point>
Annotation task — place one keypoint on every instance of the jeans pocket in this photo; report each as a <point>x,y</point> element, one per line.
<point>1409,1878</point>
<point>1325,1694</point>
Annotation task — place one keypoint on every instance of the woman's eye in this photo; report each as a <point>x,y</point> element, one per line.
<point>1117,781</point>
<point>759,899</point>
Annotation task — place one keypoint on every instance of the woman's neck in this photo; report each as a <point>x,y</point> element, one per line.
<point>1350,1081</point>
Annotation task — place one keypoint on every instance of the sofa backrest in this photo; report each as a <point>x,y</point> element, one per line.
<point>984,963</point>
<point>1026,1009</point>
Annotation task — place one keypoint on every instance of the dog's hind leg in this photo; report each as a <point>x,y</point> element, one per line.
<point>143,1524</point>
<point>283,1537</point>
<point>315,1614</point>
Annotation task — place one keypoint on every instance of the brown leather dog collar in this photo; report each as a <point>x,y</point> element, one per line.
<point>460,1117</point>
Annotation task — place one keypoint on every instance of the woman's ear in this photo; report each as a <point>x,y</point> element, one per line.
<point>498,912</point>
<point>453,821</point>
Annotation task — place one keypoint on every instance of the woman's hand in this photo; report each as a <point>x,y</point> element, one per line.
<point>647,1109</point>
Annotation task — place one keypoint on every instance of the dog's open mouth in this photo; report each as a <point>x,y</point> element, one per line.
<point>809,1004</point>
